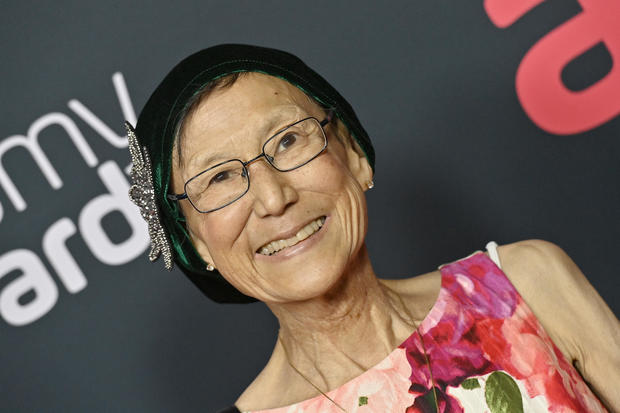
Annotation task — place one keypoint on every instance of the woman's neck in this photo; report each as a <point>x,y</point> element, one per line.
<point>323,337</point>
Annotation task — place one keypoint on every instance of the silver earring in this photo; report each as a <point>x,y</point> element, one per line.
<point>210,267</point>
<point>371,184</point>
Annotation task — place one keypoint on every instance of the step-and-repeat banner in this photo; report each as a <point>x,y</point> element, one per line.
<point>492,120</point>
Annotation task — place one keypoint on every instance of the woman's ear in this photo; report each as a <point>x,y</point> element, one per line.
<point>356,158</point>
<point>359,166</point>
<point>200,247</point>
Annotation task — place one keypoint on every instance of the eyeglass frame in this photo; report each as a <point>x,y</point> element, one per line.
<point>246,172</point>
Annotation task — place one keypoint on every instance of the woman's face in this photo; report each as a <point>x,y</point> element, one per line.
<point>234,123</point>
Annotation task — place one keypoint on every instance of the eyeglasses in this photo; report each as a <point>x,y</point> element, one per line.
<point>290,148</point>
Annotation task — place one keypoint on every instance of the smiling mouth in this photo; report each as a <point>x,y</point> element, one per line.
<point>274,247</point>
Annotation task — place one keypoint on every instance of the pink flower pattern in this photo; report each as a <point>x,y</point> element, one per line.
<point>479,324</point>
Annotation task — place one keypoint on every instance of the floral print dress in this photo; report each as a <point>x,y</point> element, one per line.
<point>487,351</point>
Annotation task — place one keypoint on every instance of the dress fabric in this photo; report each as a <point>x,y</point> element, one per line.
<point>487,352</point>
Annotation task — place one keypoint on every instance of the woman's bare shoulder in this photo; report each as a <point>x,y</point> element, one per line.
<point>275,386</point>
<point>544,275</point>
<point>260,394</point>
<point>575,316</point>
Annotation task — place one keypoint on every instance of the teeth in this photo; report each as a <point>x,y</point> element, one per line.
<point>302,234</point>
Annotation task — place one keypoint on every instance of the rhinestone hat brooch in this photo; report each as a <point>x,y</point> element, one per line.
<point>142,193</point>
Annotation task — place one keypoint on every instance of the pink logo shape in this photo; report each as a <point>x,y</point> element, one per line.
<point>541,92</point>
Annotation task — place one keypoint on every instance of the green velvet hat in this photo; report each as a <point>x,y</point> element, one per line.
<point>158,121</point>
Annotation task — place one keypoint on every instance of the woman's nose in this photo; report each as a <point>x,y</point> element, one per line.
<point>271,190</point>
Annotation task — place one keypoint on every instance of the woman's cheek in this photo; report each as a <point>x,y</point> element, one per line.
<point>221,228</point>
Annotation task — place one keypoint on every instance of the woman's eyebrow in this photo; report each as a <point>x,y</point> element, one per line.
<point>275,123</point>
<point>280,120</point>
<point>210,160</point>
<point>206,161</point>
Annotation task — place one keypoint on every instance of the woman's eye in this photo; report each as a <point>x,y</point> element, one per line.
<point>286,142</point>
<point>220,177</point>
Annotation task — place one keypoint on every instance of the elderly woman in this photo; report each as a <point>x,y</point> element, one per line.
<point>251,171</point>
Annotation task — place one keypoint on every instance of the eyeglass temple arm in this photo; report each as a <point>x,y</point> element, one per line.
<point>176,197</point>
<point>330,116</point>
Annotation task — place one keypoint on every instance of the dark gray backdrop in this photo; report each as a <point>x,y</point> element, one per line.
<point>458,164</point>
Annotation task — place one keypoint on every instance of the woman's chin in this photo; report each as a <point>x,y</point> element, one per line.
<point>308,269</point>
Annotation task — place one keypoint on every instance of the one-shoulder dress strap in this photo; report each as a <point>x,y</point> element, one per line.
<point>492,249</point>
